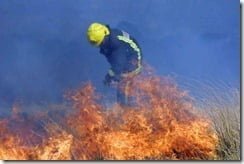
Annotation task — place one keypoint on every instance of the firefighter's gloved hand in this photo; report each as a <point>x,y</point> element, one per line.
<point>110,79</point>
<point>107,80</point>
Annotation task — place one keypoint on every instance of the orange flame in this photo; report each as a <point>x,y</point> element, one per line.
<point>163,126</point>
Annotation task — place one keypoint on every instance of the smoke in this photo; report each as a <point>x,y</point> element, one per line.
<point>44,51</point>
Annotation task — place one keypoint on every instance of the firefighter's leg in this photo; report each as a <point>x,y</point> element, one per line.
<point>123,97</point>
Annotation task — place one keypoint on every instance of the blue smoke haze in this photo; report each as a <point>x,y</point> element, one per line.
<point>44,51</point>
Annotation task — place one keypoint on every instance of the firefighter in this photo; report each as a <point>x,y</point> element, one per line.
<point>123,54</point>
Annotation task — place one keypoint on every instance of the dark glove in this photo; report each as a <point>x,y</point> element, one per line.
<point>107,80</point>
<point>110,79</point>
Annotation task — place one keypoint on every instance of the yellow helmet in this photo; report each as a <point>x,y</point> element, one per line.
<point>96,33</point>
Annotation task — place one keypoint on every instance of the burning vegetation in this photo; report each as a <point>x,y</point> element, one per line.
<point>163,125</point>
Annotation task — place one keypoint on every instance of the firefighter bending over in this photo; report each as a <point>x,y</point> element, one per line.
<point>122,52</point>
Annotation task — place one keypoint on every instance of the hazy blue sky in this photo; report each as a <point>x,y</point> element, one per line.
<point>44,51</point>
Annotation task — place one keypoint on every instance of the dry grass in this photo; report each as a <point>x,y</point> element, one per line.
<point>221,103</point>
<point>171,130</point>
<point>225,115</point>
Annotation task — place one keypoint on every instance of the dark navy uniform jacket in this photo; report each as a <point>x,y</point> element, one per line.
<point>122,52</point>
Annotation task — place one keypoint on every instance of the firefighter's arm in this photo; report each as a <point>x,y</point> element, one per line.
<point>117,66</point>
